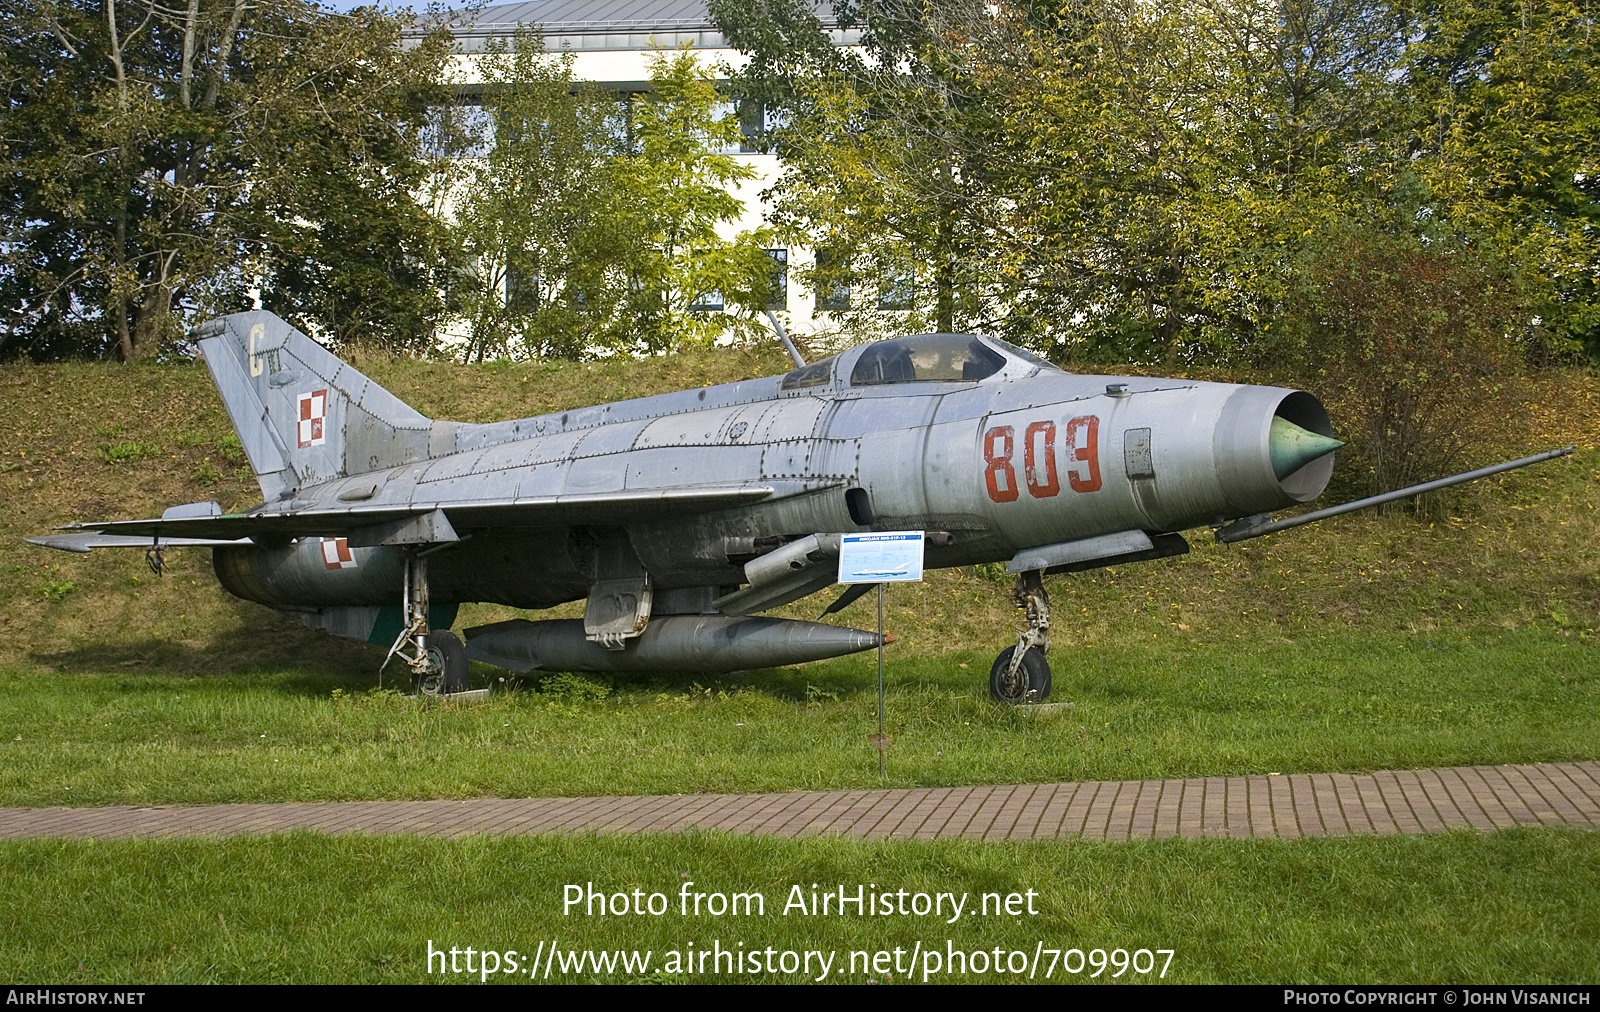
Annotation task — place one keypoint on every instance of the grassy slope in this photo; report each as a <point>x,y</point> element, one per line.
<point>1520,551</point>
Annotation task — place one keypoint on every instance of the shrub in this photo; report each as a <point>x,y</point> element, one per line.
<point>1414,337</point>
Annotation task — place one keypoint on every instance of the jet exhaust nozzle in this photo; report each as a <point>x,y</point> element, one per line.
<point>669,643</point>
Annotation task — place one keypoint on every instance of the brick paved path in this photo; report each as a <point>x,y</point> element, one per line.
<point>1319,804</point>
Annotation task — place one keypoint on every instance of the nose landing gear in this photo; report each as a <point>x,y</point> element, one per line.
<point>1021,674</point>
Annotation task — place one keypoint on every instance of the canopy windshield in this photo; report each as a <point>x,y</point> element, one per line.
<point>921,358</point>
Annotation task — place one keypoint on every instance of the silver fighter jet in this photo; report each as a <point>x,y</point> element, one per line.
<point>681,517</point>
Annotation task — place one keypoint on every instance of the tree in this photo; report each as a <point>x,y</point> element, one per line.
<point>1120,179</point>
<point>163,160</point>
<point>357,247</point>
<point>594,227</point>
<point>1100,178</point>
<point>1175,157</point>
<point>1506,135</point>
<point>886,173</point>
<point>547,269</point>
<point>679,181</point>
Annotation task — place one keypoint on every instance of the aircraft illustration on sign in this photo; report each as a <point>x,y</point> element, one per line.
<point>680,517</point>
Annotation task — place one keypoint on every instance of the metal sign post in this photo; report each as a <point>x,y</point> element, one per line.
<point>881,557</point>
<point>882,742</point>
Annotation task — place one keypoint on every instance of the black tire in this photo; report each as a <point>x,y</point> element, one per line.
<point>1032,681</point>
<point>447,666</point>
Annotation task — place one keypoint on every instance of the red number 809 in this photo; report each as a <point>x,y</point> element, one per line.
<point>1039,459</point>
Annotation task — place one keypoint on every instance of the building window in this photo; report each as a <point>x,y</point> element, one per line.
<point>752,125</point>
<point>619,124</point>
<point>465,130</point>
<point>522,291</point>
<point>833,284</point>
<point>778,288</point>
<point>899,290</point>
<point>725,109</point>
<point>708,302</point>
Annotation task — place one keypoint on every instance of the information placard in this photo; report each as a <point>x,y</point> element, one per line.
<point>881,557</point>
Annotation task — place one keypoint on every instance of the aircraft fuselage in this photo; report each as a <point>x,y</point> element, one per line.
<point>1024,457</point>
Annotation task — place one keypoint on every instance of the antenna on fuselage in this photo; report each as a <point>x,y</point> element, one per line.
<point>783,335</point>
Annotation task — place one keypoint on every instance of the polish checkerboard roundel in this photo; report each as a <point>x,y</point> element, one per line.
<point>313,413</point>
<point>336,554</point>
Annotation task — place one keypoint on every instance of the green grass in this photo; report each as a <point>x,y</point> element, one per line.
<point>136,734</point>
<point>1454,908</point>
<point>127,453</point>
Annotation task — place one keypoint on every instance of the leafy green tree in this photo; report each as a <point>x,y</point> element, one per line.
<point>887,170</point>
<point>163,160</point>
<point>679,180</point>
<point>1104,179</point>
<point>594,227</point>
<point>1173,158</point>
<point>1506,135</point>
<point>1413,335</point>
<point>357,247</point>
<point>547,268</point>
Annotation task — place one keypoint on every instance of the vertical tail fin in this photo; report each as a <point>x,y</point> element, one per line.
<point>303,415</point>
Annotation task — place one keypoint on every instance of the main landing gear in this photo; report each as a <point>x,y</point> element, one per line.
<point>438,660</point>
<point>1021,674</point>
<point>445,670</point>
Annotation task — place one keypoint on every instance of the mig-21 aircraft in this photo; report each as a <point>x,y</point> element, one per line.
<point>680,517</point>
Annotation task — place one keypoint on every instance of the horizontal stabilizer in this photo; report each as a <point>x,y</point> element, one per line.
<point>525,512</point>
<point>189,511</point>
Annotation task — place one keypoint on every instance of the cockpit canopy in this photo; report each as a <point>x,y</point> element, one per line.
<point>949,358</point>
<point>918,358</point>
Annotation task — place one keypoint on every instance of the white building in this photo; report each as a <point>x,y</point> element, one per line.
<point>612,42</point>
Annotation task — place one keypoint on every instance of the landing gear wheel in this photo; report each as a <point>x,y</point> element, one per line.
<point>447,666</point>
<point>1030,684</point>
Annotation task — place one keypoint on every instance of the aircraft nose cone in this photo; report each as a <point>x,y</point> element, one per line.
<point>1293,447</point>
